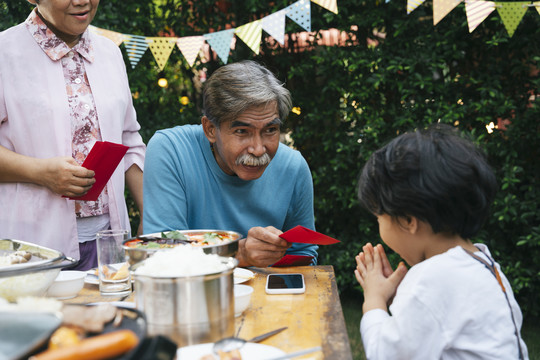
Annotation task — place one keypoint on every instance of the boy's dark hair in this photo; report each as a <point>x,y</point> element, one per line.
<point>434,175</point>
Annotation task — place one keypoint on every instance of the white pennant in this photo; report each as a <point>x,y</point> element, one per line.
<point>477,12</point>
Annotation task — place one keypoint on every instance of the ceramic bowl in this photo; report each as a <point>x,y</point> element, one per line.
<point>67,284</point>
<point>242,297</point>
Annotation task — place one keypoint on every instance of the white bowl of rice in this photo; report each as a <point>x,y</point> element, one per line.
<point>32,284</point>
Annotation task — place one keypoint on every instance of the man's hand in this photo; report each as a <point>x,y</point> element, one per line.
<point>375,275</point>
<point>63,176</point>
<point>262,247</point>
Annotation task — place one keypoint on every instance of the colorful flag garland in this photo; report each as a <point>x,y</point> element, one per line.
<point>223,41</point>
<point>220,41</point>
<point>511,12</point>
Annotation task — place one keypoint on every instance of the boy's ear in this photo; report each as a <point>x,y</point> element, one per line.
<point>410,224</point>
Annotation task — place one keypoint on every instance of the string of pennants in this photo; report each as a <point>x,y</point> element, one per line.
<point>511,12</point>
<point>220,41</point>
<point>477,11</point>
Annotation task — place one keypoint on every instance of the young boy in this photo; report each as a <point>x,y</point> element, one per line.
<point>431,191</point>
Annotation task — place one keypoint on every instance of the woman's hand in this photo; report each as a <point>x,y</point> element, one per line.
<point>375,275</point>
<point>63,176</point>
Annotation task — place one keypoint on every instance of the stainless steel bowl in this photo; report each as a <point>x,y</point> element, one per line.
<point>34,277</point>
<point>136,255</point>
<point>188,309</point>
<point>40,255</point>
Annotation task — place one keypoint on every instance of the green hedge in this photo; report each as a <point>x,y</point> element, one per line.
<point>356,98</point>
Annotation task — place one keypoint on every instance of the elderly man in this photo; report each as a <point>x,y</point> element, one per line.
<point>231,172</point>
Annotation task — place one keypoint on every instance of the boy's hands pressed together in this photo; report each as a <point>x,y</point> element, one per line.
<point>375,275</point>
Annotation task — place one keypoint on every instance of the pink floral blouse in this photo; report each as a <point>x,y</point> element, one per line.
<point>84,120</point>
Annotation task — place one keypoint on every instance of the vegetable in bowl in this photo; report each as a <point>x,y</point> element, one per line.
<point>220,242</point>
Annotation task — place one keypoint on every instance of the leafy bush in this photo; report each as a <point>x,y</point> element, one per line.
<point>354,99</point>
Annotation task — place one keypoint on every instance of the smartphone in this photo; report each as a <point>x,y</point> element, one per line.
<point>285,284</point>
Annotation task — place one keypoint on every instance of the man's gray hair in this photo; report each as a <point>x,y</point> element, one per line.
<point>234,88</point>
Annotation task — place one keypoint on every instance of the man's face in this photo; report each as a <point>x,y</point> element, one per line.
<point>244,146</point>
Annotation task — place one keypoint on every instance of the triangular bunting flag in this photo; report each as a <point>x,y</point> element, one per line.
<point>116,37</point>
<point>413,4</point>
<point>220,42</point>
<point>328,5</point>
<point>441,8</point>
<point>511,14</point>
<point>477,11</point>
<point>190,47</point>
<point>135,45</point>
<point>275,25</point>
<point>537,6</point>
<point>300,13</point>
<point>161,48</point>
<point>250,34</point>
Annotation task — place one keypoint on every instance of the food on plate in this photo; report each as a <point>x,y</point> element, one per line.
<point>175,234</point>
<point>181,261</point>
<point>89,318</point>
<point>17,257</point>
<point>211,238</point>
<point>112,274</point>
<point>104,346</point>
<point>224,355</point>
<point>65,336</point>
<point>170,239</point>
<point>230,355</point>
<point>81,334</point>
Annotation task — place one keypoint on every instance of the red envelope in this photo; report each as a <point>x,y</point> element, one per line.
<point>294,260</point>
<point>103,159</point>
<point>301,234</point>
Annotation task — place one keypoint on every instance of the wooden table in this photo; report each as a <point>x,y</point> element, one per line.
<point>314,318</point>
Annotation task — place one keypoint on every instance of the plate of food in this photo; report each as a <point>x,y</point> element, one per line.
<point>92,277</point>
<point>212,241</point>
<point>115,270</point>
<point>250,351</point>
<point>81,329</point>
<point>242,275</point>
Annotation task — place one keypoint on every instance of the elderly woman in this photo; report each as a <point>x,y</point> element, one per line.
<point>62,89</point>
<point>231,172</point>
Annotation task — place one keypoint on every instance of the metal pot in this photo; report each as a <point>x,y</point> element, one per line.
<point>190,309</point>
<point>34,277</point>
<point>136,255</point>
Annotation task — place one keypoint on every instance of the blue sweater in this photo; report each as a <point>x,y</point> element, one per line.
<point>184,188</point>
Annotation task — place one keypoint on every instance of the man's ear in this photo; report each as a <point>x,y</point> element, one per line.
<point>209,129</point>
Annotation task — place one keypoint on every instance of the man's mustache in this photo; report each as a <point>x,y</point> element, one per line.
<point>251,160</point>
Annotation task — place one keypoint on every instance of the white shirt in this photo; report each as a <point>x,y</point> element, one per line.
<point>449,306</point>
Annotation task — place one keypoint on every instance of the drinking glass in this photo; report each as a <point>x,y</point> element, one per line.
<point>114,275</point>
